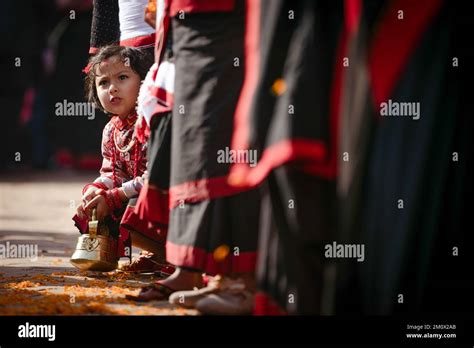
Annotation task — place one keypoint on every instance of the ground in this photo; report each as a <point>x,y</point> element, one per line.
<point>36,209</point>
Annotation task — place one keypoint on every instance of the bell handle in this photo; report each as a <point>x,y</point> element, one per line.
<point>93,224</point>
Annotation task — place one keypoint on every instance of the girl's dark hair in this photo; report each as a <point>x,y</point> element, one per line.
<point>139,60</point>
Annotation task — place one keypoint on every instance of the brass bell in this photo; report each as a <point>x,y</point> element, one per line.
<point>97,250</point>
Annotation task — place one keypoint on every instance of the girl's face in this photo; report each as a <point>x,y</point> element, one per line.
<point>117,86</point>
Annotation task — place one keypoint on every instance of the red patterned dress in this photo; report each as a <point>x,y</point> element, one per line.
<point>124,158</point>
<point>124,165</point>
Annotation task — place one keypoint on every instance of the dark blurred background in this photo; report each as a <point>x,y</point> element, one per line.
<point>45,47</point>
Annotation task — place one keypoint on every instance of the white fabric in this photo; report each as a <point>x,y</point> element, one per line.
<point>160,11</point>
<point>165,77</point>
<point>146,101</point>
<point>132,19</point>
<point>164,80</point>
<point>129,189</point>
<point>106,181</point>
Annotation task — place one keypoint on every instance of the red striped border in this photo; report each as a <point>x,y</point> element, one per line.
<point>142,41</point>
<point>188,256</point>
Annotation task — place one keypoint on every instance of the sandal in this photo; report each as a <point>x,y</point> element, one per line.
<point>153,292</point>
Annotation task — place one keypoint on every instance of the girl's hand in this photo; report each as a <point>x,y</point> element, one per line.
<point>102,208</point>
<point>90,193</point>
<point>80,211</point>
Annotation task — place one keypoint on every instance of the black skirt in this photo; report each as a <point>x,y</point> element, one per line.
<point>288,114</point>
<point>213,226</point>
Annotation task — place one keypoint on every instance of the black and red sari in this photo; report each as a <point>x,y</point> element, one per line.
<point>287,112</point>
<point>404,199</point>
<point>188,109</point>
<point>212,225</point>
<point>333,65</point>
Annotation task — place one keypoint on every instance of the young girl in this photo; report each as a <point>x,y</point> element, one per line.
<point>112,84</point>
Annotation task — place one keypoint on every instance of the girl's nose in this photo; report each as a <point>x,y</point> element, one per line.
<point>112,88</point>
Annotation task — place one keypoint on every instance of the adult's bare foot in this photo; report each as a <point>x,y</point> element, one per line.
<point>161,290</point>
<point>183,279</point>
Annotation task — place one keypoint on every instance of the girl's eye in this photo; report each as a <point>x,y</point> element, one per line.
<point>123,77</point>
<point>102,83</point>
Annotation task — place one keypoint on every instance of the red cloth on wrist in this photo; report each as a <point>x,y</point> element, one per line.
<point>95,184</point>
<point>114,193</point>
<point>110,201</point>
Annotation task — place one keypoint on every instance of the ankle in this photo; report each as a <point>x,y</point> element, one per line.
<point>248,279</point>
<point>190,277</point>
<point>159,257</point>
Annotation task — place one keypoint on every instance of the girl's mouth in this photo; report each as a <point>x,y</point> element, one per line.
<point>115,100</point>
